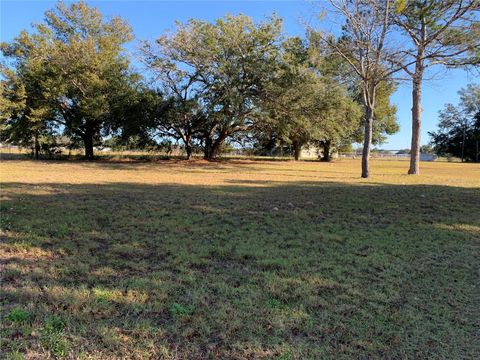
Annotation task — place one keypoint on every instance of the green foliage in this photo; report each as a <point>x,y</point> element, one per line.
<point>22,108</point>
<point>305,107</point>
<point>53,337</point>
<point>385,115</point>
<point>294,96</point>
<point>13,99</point>
<point>459,127</point>
<point>18,315</point>
<point>336,68</point>
<point>74,70</point>
<point>181,311</point>
<point>441,32</point>
<point>221,81</point>
<point>216,74</point>
<point>54,324</point>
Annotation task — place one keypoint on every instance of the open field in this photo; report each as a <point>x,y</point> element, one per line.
<point>239,260</point>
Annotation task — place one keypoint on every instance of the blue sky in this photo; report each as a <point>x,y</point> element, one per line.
<point>150,18</point>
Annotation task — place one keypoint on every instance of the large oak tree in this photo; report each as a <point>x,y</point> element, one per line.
<point>76,61</point>
<point>224,67</point>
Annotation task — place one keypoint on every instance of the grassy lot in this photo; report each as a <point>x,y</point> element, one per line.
<point>239,260</point>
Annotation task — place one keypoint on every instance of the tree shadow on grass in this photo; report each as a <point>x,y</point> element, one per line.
<point>132,164</point>
<point>300,270</point>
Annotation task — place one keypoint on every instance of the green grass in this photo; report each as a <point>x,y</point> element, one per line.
<point>177,271</point>
<point>17,315</point>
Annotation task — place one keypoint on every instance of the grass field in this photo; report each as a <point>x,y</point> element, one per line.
<point>239,260</point>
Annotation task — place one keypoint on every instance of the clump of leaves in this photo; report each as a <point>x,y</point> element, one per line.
<point>62,230</point>
<point>53,337</point>
<point>18,315</point>
<point>55,324</point>
<point>286,356</point>
<point>15,355</point>
<point>273,303</point>
<point>181,311</point>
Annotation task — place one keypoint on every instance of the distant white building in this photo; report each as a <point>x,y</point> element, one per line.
<point>427,157</point>
<point>309,152</point>
<point>314,152</point>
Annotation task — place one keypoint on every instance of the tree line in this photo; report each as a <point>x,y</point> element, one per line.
<point>231,81</point>
<point>458,131</point>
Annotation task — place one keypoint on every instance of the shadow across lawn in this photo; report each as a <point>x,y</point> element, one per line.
<point>292,271</point>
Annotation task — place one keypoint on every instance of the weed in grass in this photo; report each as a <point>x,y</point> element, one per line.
<point>53,337</point>
<point>286,356</point>
<point>61,230</point>
<point>180,311</point>
<point>54,324</point>
<point>18,315</point>
<point>11,273</point>
<point>275,304</point>
<point>104,296</point>
<point>15,355</point>
<point>137,284</point>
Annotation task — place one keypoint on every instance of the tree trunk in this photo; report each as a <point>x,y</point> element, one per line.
<point>188,145</point>
<point>326,150</point>
<point>88,142</point>
<point>213,147</point>
<point>416,116</point>
<point>36,145</point>
<point>476,154</point>
<point>367,142</point>
<point>188,149</point>
<point>297,148</point>
<point>207,147</point>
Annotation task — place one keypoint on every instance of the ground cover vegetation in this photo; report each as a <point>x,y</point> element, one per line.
<point>239,259</point>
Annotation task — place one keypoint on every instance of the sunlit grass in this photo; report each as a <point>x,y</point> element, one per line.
<point>239,259</point>
<point>244,172</point>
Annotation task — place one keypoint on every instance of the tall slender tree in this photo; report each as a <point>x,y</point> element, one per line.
<point>337,71</point>
<point>366,46</point>
<point>441,32</point>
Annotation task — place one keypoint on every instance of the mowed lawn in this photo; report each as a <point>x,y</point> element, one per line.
<point>239,260</point>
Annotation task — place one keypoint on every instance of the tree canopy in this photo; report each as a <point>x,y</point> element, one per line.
<point>440,32</point>
<point>459,127</point>
<point>73,68</point>
<point>208,85</point>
